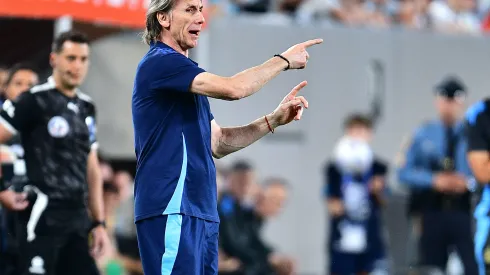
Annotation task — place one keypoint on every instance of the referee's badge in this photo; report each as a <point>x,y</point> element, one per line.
<point>58,127</point>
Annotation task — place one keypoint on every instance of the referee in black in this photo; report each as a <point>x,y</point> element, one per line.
<point>57,125</point>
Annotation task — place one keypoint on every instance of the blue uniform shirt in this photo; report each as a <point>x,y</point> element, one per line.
<point>428,146</point>
<point>175,171</point>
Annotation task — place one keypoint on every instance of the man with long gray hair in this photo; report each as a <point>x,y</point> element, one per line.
<point>176,137</point>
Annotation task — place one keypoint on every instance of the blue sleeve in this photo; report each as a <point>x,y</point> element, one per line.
<point>411,174</point>
<point>174,72</point>
<point>333,182</point>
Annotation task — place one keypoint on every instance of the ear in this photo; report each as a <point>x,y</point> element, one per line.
<point>163,19</point>
<point>52,59</point>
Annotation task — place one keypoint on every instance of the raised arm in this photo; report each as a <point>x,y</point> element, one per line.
<point>252,80</point>
<point>227,140</point>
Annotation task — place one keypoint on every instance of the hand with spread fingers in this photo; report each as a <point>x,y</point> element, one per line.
<point>290,108</point>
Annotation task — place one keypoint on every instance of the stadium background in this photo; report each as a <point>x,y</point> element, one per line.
<point>355,69</point>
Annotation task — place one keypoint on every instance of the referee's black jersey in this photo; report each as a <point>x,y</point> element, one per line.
<point>57,133</point>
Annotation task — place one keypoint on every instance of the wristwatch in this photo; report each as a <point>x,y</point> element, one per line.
<point>97,223</point>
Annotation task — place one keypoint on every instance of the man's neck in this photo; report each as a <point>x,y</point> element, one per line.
<point>174,45</point>
<point>69,92</point>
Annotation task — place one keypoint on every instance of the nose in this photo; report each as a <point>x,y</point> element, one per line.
<point>201,18</point>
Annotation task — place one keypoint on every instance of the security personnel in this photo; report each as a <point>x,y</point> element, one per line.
<point>435,164</point>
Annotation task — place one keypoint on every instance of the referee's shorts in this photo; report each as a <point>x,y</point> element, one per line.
<point>482,244</point>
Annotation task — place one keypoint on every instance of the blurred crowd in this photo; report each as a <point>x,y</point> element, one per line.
<point>448,16</point>
<point>244,206</point>
<point>123,256</point>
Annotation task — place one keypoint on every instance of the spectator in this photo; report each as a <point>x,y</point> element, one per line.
<point>413,14</point>
<point>289,6</point>
<point>380,12</point>
<point>253,6</point>
<point>269,203</point>
<point>234,240</point>
<point>454,16</point>
<point>349,12</point>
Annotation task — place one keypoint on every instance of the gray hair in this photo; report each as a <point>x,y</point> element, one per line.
<point>153,27</point>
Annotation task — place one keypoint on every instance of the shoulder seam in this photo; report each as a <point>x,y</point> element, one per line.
<point>84,97</point>
<point>42,88</point>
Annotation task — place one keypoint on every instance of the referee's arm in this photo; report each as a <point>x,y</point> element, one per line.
<point>94,175</point>
<point>94,180</point>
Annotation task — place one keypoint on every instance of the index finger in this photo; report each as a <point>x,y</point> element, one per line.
<point>298,87</point>
<point>312,42</point>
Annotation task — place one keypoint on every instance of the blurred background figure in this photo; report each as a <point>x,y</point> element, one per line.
<point>454,16</point>
<point>355,183</point>
<point>435,169</point>
<point>122,258</point>
<point>20,78</point>
<point>3,77</point>
<point>270,201</point>
<point>233,211</point>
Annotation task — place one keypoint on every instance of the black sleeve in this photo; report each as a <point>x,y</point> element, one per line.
<point>333,181</point>
<point>477,137</point>
<point>19,115</point>
<point>379,168</point>
<point>232,236</point>
<point>476,123</point>
<point>91,122</point>
<point>257,240</point>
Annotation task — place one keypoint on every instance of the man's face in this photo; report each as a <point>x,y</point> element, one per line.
<point>272,200</point>
<point>184,22</point>
<point>360,132</point>
<point>21,81</point>
<point>71,63</point>
<point>449,109</point>
<point>240,183</point>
